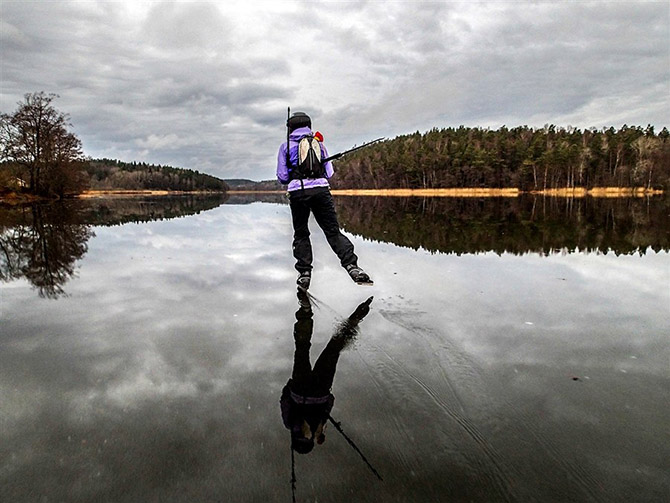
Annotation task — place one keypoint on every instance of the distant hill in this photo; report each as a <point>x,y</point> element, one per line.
<point>114,174</point>
<point>243,184</point>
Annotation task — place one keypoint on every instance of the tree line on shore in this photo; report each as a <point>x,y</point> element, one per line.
<point>115,174</point>
<point>525,158</point>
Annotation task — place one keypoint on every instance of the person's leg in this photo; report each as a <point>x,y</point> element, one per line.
<point>324,368</point>
<point>302,247</point>
<point>323,372</point>
<point>323,208</point>
<point>302,335</point>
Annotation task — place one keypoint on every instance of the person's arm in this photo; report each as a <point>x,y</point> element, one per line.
<point>282,170</point>
<point>285,405</point>
<point>329,404</point>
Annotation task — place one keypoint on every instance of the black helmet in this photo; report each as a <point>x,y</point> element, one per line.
<point>298,120</point>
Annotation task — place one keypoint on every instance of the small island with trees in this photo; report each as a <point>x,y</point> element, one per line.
<point>41,159</point>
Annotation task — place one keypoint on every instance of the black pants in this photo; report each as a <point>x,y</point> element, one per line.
<point>317,380</point>
<point>307,380</point>
<point>320,202</point>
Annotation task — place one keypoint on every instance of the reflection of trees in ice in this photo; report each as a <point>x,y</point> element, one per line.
<point>44,251</point>
<point>526,224</point>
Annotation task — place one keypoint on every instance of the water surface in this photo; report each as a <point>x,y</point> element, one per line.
<point>510,354</point>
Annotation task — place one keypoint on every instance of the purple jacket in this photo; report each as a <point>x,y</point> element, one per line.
<point>282,169</point>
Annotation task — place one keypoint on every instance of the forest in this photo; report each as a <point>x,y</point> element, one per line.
<point>114,174</point>
<point>524,158</point>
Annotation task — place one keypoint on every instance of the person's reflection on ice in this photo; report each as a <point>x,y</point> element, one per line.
<point>306,400</point>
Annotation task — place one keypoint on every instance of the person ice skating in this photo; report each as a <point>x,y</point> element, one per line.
<point>300,167</point>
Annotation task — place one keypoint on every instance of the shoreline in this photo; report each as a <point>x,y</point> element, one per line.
<point>17,198</point>
<point>428,192</point>
<point>600,192</point>
<point>577,192</point>
<point>255,192</point>
<point>102,193</point>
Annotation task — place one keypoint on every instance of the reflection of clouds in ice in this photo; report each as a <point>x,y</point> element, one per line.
<point>165,309</point>
<point>153,376</point>
<point>572,310</point>
<point>649,273</point>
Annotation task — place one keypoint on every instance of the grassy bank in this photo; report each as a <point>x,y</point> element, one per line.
<point>256,192</point>
<point>428,192</point>
<point>600,192</point>
<point>509,192</point>
<point>16,198</point>
<point>92,194</point>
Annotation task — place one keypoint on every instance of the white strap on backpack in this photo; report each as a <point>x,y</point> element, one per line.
<point>306,144</point>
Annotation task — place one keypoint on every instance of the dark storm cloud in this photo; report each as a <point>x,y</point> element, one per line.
<point>202,84</point>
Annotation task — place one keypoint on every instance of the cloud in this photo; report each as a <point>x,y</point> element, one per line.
<point>190,27</point>
<point>205,85</point>
<point>513,66</point>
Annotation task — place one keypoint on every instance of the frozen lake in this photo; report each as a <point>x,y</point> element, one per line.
<point>505,356</point>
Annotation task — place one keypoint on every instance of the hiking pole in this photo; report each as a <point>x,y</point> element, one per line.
<point>293,479</point>
<point>352,444</point>
<point>337,156</point>
<point>288,133</point>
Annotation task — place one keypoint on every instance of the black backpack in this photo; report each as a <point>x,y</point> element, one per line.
<point>309,159</point>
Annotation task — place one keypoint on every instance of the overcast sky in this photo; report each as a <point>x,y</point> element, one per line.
<point>206,85</point>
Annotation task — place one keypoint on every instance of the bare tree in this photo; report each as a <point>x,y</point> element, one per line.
<point>36,139</point>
